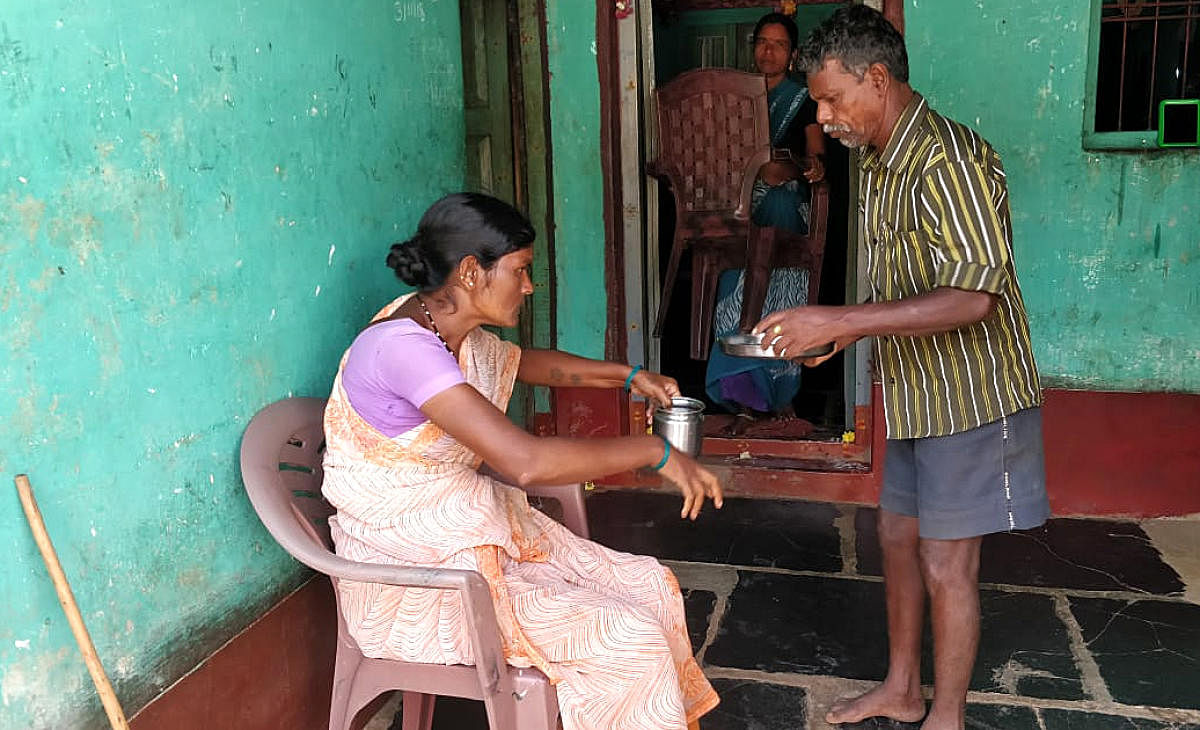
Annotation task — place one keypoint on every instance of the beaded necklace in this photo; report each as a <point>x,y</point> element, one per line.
<point>429,316</point>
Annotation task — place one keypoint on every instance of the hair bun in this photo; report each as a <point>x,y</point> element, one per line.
<point>406,260</point>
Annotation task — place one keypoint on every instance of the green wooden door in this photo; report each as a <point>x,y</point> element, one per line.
<point>486,98</point>
<point>507,146</point>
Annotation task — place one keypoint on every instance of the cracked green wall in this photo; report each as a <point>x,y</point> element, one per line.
<point>581,305</point>
<point>195,201</point>
<point>1107,243</point>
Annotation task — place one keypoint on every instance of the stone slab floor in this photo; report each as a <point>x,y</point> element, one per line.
<point>1087,624</point>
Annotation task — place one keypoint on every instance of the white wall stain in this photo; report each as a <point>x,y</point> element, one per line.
<point>406,10</point>
<point>332,248</point>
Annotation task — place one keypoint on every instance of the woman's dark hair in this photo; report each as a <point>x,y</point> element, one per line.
<point>858,36</point>
<point>455,227</point>
<point>778,19</point>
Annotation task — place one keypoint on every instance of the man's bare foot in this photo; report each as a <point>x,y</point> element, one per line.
<point>879,702</point>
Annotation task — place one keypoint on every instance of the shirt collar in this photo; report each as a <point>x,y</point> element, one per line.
<point>901,138</point>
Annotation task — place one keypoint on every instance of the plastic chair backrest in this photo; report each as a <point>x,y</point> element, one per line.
<point>281,467</point>
<point>713,131</point>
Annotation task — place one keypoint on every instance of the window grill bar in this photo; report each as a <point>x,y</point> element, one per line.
<point>1187,44</point>
<point>1121,86</point>
<point>1181,16</point>
<point>1153,73</point>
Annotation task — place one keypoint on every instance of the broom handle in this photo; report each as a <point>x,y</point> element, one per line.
<point>112,706</point>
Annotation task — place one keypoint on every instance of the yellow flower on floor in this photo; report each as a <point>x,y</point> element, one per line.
<point>848,437</point>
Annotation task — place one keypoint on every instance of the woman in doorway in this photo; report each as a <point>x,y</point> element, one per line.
<point>780,198</point>
<point>417,406</point>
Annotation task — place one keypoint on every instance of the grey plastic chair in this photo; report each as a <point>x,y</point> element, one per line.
<point>281,457</point>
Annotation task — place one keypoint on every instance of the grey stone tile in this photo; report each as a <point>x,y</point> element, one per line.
<point>749,705</point>
<point>1148,650</point>
<point>1100,555</point>
<point>1074,720</point>
<point>831,626</point>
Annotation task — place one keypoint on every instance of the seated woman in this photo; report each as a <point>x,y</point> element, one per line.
<point>780,198</point>
<point>417,405</point>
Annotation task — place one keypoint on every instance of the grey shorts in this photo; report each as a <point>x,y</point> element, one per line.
<point>989,479</point>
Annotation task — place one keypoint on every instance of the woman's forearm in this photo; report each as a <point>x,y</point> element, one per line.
<point>559,369</point>
<point>564,460</point>
<point>525,459</point>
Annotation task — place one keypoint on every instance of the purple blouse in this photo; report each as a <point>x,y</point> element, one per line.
<point>392,369</point>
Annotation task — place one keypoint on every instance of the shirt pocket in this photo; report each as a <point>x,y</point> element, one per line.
<point>903,264</point>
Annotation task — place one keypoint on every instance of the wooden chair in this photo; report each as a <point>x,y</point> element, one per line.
<point>713,136</point>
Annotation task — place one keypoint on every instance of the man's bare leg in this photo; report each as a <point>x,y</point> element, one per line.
<point>899,697</point>
<point>950,569</point>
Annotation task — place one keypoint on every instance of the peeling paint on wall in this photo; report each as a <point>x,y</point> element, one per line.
<point>1106,243</point>
<point>582,315</point>
<point>169,212</point>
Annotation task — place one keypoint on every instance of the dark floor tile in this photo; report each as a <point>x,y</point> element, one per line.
<point>1102,555</point>
<point>880,723</point>
<point>1073,720</point>
<point>810,625</point>
<point>698,607</point>
<point>760,532</point>
<point>979,717</point>
<point>1000,717</point>
<point>815,625</point>
<point>452,713</point>
<point>1024,648</point>
<point>1148,651</point>
<point>756,706</point>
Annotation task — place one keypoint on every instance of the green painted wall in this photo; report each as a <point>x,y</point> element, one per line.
<point>578,182</point>
<point>195,202</point>
<point>1107,243</point>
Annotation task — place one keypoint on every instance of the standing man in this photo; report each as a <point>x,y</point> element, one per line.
<point>960,387</point>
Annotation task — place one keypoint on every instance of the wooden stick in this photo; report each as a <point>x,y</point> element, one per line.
<point>116,717</point>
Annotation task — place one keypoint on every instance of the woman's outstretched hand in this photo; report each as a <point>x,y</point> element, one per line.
<point>694,481</point>
<point>656,388</point>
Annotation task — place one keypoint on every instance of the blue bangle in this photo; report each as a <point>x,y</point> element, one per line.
<point>666,453</point>
<point>629,379</point>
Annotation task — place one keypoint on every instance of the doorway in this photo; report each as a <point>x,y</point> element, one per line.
<point>832,404</point>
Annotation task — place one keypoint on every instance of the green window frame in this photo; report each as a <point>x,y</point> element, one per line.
<point>1093,140</point>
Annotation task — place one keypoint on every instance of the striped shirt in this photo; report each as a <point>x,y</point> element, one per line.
<point>934,212</point>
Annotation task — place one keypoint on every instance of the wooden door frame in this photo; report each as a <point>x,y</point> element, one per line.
<point>607,61</point>
<point>789,476</point>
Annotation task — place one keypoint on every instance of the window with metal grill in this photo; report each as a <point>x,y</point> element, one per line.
<point>1144,51</point>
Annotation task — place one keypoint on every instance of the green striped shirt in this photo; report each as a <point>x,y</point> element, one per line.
<point>934,212</point>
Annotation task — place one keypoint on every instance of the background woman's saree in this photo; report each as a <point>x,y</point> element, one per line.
<point>741,382</point>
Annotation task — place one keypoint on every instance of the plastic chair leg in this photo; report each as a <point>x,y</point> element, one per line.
<point>570,496</point>
<point>760,257</point>
<point>418,711</point>
<point>574,511</point>
<point>668,283</point>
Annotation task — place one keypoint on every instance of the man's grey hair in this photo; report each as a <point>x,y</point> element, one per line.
<point>857,36</point>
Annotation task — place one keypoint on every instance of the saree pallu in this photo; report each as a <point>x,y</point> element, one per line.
<point>606,627</point>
